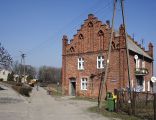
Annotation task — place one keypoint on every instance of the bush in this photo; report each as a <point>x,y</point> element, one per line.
<point>19,84</point>
<point>23,90</point>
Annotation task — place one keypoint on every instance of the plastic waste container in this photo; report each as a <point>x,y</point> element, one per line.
<point>110,102</point>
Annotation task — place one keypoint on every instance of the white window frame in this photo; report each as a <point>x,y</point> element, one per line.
<point>80,63</point>
<point>84,83</point>
<point>100,62</point>
<point>138,63</point>
<point>144,86</point>
<point>149,87</point>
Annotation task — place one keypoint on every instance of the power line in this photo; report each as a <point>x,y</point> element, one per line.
<point>23,55</point>
<point>67,26</point>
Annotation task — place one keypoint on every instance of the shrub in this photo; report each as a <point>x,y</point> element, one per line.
<point>23,90</point>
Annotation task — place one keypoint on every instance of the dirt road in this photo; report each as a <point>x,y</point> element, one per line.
<point>41,106</point>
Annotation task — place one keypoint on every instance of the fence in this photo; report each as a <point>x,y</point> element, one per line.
<point>136,103</point>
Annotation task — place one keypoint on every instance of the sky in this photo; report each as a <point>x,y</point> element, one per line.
<point>36,27</point>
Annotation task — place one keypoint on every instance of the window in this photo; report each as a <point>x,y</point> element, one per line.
<point>81,37</point>
<point>80,64</point>
<point>100,33</point>
<point>137,63</point>
<point>100,62</point>
<point>90,24</point>
<point>84,84</point>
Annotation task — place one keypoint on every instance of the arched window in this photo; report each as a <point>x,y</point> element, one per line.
<point>113,45</point>
<point>90,24</point>
<point>100,33</point>
<point>81,37</point>
<point>72,49</point>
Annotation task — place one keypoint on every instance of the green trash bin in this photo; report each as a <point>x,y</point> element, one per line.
<point>110,104</point>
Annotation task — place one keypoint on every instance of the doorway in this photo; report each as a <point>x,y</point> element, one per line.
<point>140,84</point>
<point>73,87</point>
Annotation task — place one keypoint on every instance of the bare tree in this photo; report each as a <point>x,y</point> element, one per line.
<point>5,58</point>
<point>49,74</point>
<point>29,70</point>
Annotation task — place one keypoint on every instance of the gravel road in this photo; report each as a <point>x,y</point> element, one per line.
<point>41,106</point>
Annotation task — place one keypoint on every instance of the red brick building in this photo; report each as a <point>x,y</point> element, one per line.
<point>84,58</point>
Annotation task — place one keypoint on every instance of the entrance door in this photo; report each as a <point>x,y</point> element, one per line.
<point>72,87</point>
<point>140,84</point>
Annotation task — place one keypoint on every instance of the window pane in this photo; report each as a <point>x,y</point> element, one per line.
<point>103,64</point>
<point>84,83</point>
<point>99,64</point>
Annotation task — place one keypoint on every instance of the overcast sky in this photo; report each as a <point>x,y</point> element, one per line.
<point>36,27</point>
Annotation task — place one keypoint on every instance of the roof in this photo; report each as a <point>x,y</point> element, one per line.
<point>132,45</point>
<point>137,49</point>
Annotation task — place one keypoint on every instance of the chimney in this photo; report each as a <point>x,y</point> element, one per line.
<point>108,23</point>
<point>90,16</point>
<point>65,40</point>
<point>150,51</point>
<point>122,30</point>
<point>64,44</point>
<point>122,42</point>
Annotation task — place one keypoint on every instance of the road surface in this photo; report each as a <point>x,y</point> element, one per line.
<point>41,106</point>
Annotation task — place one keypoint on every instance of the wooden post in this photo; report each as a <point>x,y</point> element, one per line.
<point>134,103</point>
<point>117,102</point>
<point>154,105</point>
<point>103,81</point>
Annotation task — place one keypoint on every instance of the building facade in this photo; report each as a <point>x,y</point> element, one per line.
<point>4,74</point>
<point>84,59</point>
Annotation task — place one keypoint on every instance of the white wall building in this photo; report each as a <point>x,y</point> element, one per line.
<point>4,74</point>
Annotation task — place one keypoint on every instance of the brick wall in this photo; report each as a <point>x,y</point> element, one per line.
<point>90,41</point>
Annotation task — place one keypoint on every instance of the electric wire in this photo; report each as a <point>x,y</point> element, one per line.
<point>67,26</point>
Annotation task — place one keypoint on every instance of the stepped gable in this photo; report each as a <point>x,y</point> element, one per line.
<point>85,38</point>
<point>94,36</point>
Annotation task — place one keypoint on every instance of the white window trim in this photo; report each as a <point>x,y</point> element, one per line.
<point>85,83</point>
<point>138,63</point>
<point>80,61</point>
<point>144,87</point>
<point>101,60</point>
<point>149,87</point>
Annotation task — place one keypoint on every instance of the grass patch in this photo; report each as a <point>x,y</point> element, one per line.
<point>84,98</point>
<point>106,113</point>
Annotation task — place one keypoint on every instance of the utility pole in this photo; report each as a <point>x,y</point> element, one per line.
<point>104,79</point>
<point>23,63</point>
<point>127,53</point>
<point>126,40</point>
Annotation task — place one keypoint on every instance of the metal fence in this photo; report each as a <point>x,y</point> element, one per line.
<point>139,104</point>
